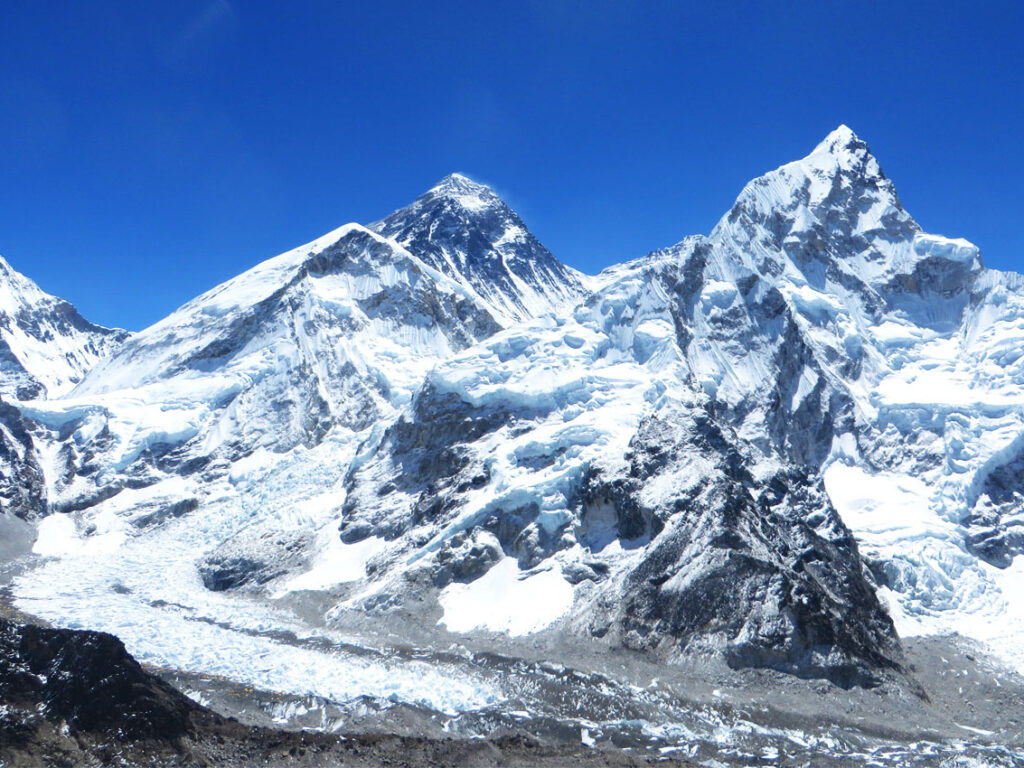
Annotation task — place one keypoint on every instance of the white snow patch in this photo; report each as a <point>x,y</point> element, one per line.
<point>57,536</point>
<point>954,249</point>
<point>505,600</point>
<point>335,563</point>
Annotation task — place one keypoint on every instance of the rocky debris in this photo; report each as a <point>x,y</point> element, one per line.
<point>253,558</point>
<point>73,698</point>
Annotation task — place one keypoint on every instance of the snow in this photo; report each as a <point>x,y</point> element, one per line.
<point>396,350</point>
<point>953,249</point>
<point>936,386</point>
<point>808,381</point>
<point>717,293</point>
<point>58,536</point>
<point>505,600</point>
<point>45,346</point>
<point>335,563</point>
<point>882,508</point>
<point>938,586</point>
<point>464,192</point>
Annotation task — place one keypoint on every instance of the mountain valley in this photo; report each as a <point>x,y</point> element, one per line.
<point>754,498</point>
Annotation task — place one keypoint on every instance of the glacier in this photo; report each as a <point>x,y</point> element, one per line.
<point>792,444</point>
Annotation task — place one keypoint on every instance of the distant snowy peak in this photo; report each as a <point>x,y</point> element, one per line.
<point>463,191</point>
<point>467,232</point>
<point>46,346</point>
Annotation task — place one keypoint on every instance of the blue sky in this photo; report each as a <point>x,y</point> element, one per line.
<point>151,150</point>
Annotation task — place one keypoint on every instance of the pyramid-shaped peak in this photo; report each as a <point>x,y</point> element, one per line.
<point>465,192</point>
<point>841,136</point>
<point>465,231</point>
<point>841,142</point>
<point>844,154</point>
<point>840,182</point>
<point>457,181</point>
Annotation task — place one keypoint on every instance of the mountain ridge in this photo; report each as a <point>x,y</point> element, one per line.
<point>784,446</point>
<point>46,346</point>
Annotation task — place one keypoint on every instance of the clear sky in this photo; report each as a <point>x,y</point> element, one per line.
<point>149,151</point>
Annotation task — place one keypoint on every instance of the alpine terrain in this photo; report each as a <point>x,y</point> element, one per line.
<point>756,497</point>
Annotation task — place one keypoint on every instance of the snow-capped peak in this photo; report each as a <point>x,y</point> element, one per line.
<point>843,152</point>
<point>840,165</point>
<point>46,346</point>
<point>466,231</point>
<point>833,207</point>
<point>465,192</point>
<point>842,139</point>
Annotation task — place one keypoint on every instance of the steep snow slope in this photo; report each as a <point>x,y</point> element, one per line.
<point>467,232</point>
<point>46,347</point>
<point>334,335</point>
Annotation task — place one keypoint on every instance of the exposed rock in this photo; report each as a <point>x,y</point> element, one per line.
<point>253,558</point>
<point>86,680</point>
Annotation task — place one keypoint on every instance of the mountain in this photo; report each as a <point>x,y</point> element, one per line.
<point>789,449</point>
<point>467,232</point>
<point>327,339</point>
<point>46,346</point>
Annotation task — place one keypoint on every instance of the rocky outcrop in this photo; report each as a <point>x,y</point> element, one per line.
<point>86,680</point>
<point>760,570</point>
<point>22,484</point>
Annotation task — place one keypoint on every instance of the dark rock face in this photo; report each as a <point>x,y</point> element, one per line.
<point>466,557</point>
<point>220,574</point>
<point>168,512</point>
<point>22,485</point>
<point>427,457</point>
<point>253,559</point>
<point>465,231</point>
<point>764,572</point>
<point>87,680</point>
